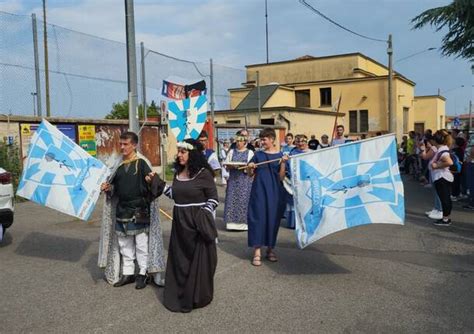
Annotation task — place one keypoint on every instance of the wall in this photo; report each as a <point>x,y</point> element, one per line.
<point>236,96</point>
<point>428,110</point>
<point>282,97</point>
<point>328,68</point>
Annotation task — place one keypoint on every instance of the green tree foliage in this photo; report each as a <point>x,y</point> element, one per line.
<point>458,18</point>
<point>120,110</point>
<point>10,160</point>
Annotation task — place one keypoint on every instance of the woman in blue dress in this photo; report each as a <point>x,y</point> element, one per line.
<point>238,186</point>
<point>267,197</point>
<point>301,142</point>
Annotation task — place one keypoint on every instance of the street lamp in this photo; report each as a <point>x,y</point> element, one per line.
<point>414,54</point>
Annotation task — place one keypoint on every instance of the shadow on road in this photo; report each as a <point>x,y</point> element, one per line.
<point>52,247</point>
<point>292,261</point>
<point>97,274</point>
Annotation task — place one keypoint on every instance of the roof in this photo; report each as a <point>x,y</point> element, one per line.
<point>311,58</point>
<point>430,97</point>
<point>282,109</point>
<point>251,100</point>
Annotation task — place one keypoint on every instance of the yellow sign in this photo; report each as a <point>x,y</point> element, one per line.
<point>87,139</point>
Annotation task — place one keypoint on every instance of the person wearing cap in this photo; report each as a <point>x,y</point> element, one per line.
<point>313,143</point>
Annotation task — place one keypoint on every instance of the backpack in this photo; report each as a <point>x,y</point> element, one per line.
<point>457,164</point>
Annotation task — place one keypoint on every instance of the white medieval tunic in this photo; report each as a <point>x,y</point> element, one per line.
<point>109,252</point>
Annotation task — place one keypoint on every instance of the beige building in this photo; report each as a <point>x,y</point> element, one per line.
<point>430,113</point>
<point>303,96</point>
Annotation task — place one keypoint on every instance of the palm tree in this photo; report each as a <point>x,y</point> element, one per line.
<point>458,18</point>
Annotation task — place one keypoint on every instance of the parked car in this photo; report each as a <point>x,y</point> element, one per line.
<point>6,201</point>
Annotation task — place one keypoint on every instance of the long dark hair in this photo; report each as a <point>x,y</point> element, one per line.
<point>196,161</point>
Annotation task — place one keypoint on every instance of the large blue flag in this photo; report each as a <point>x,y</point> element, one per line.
<point>59,174</point>
<point>345,186</point>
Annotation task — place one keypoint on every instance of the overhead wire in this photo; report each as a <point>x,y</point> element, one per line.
<point>327,18</point>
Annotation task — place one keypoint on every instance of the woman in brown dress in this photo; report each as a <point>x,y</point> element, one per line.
<point>192,255</point>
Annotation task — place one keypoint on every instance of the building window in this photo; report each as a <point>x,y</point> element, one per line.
<point>358,121</point>
<point>325,96</point>
<point>363,121</point>
<point>405,119</point>
<point>233,121</point>
<point>353,121</point>
<point>268,121</point>
<point>303,98</point>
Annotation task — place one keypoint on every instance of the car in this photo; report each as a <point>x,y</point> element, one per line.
<point>7,203</point>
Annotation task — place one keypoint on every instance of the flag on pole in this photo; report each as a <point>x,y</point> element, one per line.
<point>187,117</point>
<point>180,92</point>
<point>59,174</point>
<point>346,186</point>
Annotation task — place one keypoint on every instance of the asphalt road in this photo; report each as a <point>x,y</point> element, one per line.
<point>370,279</point>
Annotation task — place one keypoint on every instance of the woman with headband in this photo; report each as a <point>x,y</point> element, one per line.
<point>192,254</point>
<point>238,186</point>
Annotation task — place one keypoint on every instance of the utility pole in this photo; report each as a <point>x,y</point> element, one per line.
<point>266,27</point>
<point>390,115</point>
<point>131,67</point>
<point>258,100</point>
<point>46,66</point>
<point>469,123</point>
<point>211,71</point>
<point>34,103</point>
<point>37,75</point>
<point>142,53</point>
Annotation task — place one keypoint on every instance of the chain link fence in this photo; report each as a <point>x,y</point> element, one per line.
<point>88,74</point>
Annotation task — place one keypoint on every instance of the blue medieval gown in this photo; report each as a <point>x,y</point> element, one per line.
<point>267,201</point>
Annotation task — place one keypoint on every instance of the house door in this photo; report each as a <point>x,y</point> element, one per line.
<point>420,128</point>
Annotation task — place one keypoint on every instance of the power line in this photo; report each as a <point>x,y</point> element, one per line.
<point>327,18</point>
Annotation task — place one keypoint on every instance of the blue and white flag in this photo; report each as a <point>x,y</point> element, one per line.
<point>59,174</point>
<point>346,186</point>
<point>187,117</point>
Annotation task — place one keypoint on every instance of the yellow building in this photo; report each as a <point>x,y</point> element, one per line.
<point>302,95</point>
<point>430,113</point>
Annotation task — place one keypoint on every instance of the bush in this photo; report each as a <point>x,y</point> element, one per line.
<point>10,160</point>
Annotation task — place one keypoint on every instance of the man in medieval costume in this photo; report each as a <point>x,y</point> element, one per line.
<point>131,228</point>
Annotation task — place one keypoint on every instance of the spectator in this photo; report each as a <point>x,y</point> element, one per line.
<point>469,169</point>
<point>442,177</point>
<point>459,152</point>
<point>428,153</point>
<point>339,139</point>
<point>313,143</point>
<point>210,155</point>
<point>324,142</point>
<point>289,143</point>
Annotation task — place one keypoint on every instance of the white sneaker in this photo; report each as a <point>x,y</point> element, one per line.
<point>430,212</point>
<point>436,215</point>
<point>454,199</point>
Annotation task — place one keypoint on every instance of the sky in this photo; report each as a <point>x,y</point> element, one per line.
<point>232,33</point>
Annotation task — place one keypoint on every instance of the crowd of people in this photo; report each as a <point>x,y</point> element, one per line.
<point>443,161</point>
<point>256,201</point>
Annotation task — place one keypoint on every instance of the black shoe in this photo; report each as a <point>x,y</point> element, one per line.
<point>442,222</point>
<point>141,282</point>
<point>126,279</point>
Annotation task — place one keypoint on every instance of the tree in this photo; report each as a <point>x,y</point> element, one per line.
<point>120,110</point>
<point>458,17</point>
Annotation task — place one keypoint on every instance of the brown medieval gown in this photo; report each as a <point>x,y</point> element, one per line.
<point>192,255</point>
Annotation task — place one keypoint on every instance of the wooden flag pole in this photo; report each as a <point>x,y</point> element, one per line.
<point>335,120</point>
<point>166,214</point>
